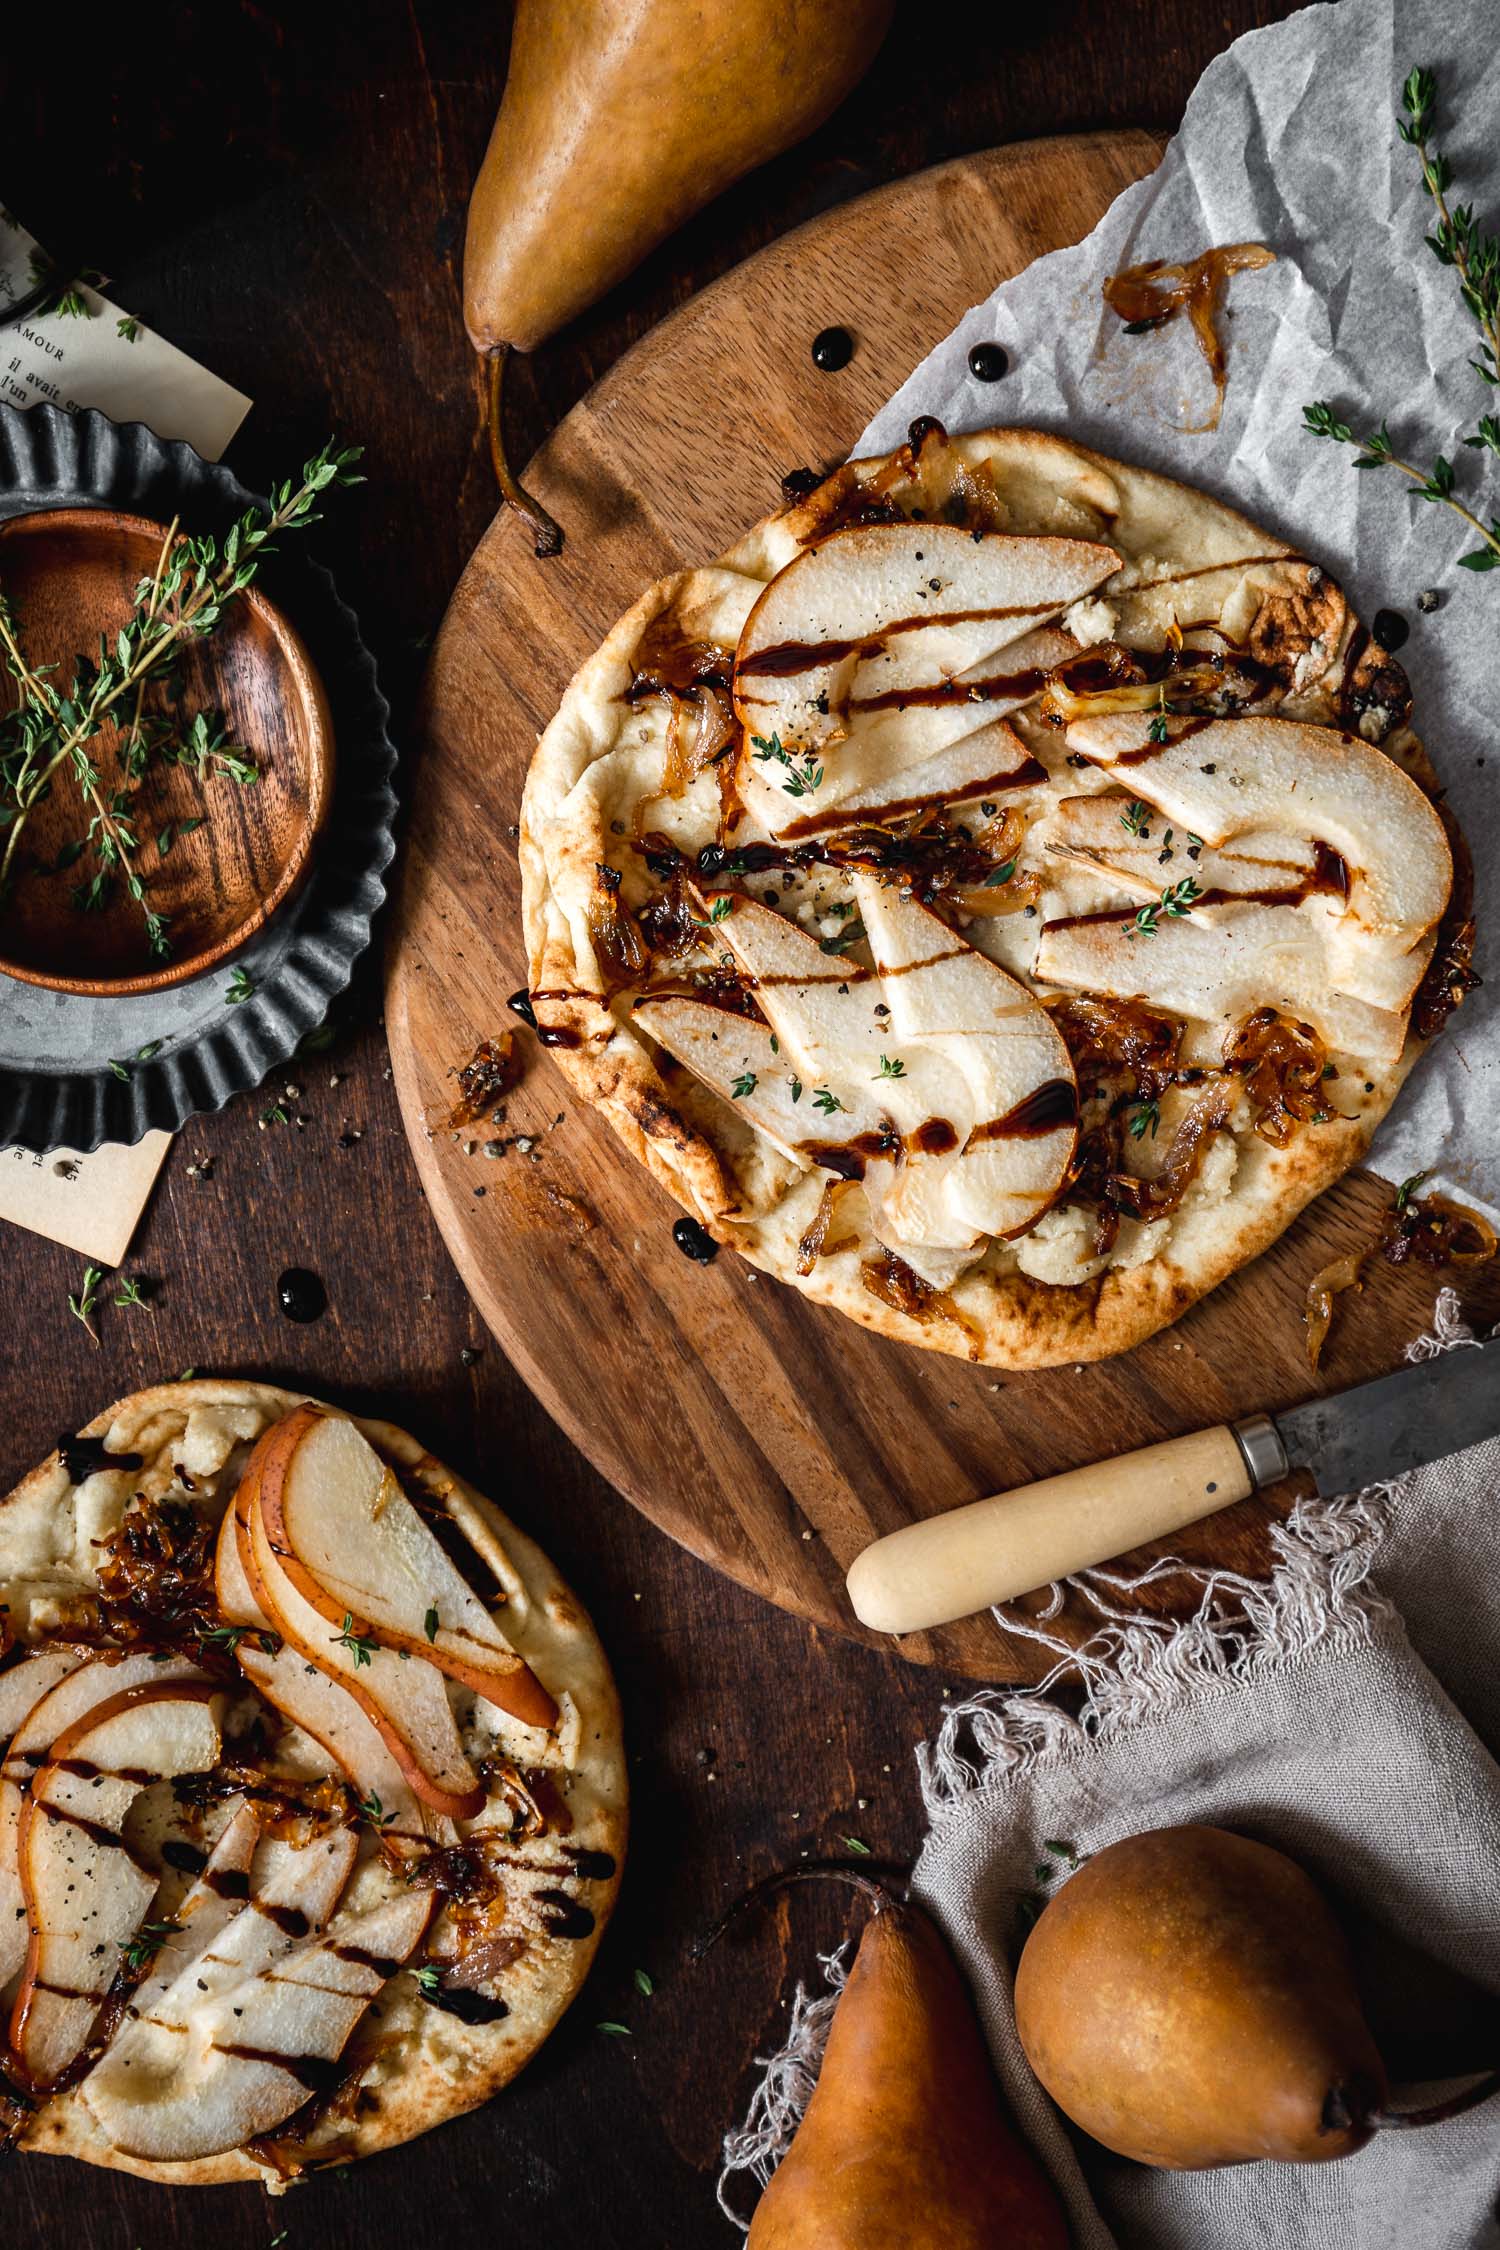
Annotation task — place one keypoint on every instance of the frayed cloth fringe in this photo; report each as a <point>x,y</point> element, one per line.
<point>784,2092</point>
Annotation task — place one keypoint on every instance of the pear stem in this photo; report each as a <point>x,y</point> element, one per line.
<point>549,535</point>
<point>881,1895</point>
<point>1391,2120</point>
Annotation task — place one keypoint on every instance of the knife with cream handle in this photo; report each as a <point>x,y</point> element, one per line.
<point>953,1565</point>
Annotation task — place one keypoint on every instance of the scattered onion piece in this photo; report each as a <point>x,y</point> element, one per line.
<point>1436,1231</point>
<point>1327,1283</point>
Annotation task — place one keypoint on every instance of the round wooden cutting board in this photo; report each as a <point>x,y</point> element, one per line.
<point>771,1437</point>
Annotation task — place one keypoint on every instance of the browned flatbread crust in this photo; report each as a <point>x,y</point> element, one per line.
<point>598,764</point>
<point>422,2065</point>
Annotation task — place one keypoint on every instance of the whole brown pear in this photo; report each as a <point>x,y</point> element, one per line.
<point>1188,1999</point>
<point>623,117</point>
<point>620,119</point>
<point>905,2144</point>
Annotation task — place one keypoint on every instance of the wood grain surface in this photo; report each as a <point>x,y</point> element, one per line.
<point>279,189</point>
<point>771,1436</point>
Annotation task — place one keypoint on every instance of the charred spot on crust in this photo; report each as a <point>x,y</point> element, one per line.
<point>1376,694</point>
<point>1295,633</point>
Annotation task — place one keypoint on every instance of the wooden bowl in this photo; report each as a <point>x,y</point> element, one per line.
<point>69,575</point>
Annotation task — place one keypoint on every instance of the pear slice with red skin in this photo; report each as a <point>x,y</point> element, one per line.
<point>86,1891</point>
<point>319,1706</point>
<point>405,1701</point>
<point>352,1544</point>
<point>69,1683</point>
<point>251,2054</point>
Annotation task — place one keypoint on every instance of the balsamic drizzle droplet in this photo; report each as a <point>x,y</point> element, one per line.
<point>461,2001</point>
<point>832,349</point>
<point>695,1242</point>
<point>83,1457</point>
<point>185,1857</point>
<point>1390,629</point>
<point>301,1295</point>
<point>519,1004</point>
<point>988,362</point>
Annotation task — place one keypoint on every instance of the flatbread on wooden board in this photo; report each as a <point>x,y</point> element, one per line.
<point>409,2063</point>
<point>619,802</point>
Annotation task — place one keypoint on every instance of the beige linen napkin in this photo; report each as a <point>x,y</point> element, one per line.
<point>1350,1719</point>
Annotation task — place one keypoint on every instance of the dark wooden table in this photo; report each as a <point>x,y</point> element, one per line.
<point>279,187</point>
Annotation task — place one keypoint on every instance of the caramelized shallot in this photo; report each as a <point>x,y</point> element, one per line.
<point>1283,1066</point>
<point>690,753</point>
<point>1158,1198</point>
<point>693,676</point>
<point>1108,1036</point>
<point>489,1072</point>
<point>619,947</point>
<point>892,1280</point>
<point>1329,1282</point>
<point>156,1580</point>
<point>815,1243</point>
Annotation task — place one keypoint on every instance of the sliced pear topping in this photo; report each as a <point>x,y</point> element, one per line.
<point>1117,834</point>
<point>405,1700</point>
<point>938,1079</point>
<point>735,1055</point>
<point>86,1891</point>
<point>1224,777</point>
<point>318,1705</point>
<point>256,1901</point>
<point>69,1689</point>
<point>1219,966</point>
<point>887,647</point>
<point>253,2052</point>
<point>1017,1124</point>
<point>24,1685</point>
<point>210,1903</point>
<point>351,1542</point>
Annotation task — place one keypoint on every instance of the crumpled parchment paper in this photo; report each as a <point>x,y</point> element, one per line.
<point>1290,139</point>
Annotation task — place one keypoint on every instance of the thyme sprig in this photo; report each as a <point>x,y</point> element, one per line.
<point>1436,484</point>
<point>51,729</point>
<point>1174,902</point>
<point>82,1306</point>
<point>1455,239</point>
<point>1458,241</point>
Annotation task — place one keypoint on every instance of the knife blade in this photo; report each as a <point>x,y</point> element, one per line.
<point>1398,1422</point>
<point>952,1565</point>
